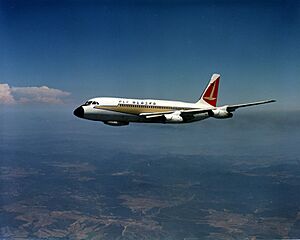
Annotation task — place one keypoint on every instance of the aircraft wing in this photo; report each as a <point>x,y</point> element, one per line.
<point>183,113</point>
<point>191,112</point>
<point>155,114</point>
<point>232,108</point>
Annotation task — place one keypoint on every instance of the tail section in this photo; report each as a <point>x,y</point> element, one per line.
<point>210,94</point>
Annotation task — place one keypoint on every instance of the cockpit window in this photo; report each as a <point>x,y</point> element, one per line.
<point>87,103</point>
<point>90,102</point>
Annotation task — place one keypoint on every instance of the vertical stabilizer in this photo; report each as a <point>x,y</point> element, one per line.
<point>210,94</point>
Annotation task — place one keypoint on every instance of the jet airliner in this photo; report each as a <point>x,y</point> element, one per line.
<point>120,111</point>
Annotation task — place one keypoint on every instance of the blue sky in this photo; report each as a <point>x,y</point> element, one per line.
<point>158,49</point>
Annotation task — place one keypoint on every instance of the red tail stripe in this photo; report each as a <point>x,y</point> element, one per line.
<point>211,94</point>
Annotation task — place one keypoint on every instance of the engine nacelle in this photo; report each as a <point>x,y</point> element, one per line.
<point>173,117</point>
<point>220,113</point>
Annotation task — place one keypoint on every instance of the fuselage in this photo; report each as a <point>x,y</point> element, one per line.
<point>119,111</point>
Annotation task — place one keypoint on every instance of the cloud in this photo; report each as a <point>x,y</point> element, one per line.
<point>44,94</point>
<point>5,94</point>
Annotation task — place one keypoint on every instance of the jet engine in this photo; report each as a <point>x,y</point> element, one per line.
<point>220,113</point>
<point>173,117</point>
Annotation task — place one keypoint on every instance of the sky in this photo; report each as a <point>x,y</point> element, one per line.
<point>54,52</point>
<point>54,55</point>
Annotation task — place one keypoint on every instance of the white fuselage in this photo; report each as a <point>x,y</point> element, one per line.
<point>124,110</point>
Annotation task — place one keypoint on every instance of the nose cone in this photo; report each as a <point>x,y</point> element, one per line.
<point>79,112</point>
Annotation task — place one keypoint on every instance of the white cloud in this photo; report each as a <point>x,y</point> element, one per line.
<point>5,94</point>
<point>44,94</point>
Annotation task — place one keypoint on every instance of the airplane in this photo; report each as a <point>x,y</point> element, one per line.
<point>116,111</point>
